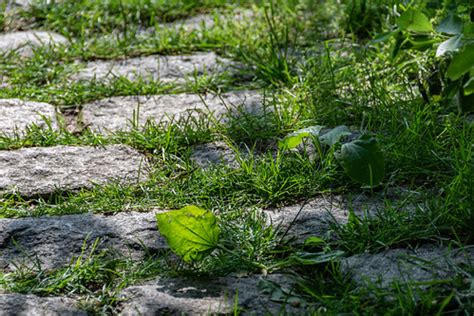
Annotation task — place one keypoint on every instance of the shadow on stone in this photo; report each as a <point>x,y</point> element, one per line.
<point>52,242</point>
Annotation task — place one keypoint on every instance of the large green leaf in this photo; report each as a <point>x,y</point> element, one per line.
<point>413,20</point>
<point>334,135</point>
<point>452,24</point>
<point>462,63</point>
<point>294,139</point>
<point>450,45</point>
<point>362,160</point>
<point>191,232</point>
<point>330,137</point>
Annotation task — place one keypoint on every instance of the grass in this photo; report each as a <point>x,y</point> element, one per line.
<point>316,66</point>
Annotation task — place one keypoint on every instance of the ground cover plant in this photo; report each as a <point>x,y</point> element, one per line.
<point>376,109</point>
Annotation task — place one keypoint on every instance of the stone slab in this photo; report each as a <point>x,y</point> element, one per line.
<point>45,170</point>
<point>118,113</point>
<point>317,215</point>
<point>203,296</point>
<point>203,21</point>
<point>16,115</point>
<point>31,305</point>
<point>206,155</point>
<point>166,69</point>
<point>55,241</point>
<point>20,3</point>
<point>24,42</point>
<point>426,263</point>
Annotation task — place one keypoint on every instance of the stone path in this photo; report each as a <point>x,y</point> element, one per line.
<point>215,153</point>
<point>118,113</point>
<point>16,115</point>
<point>31,305</point>
<point>24,42</point>
<point>315,217</point>
<point>166,69</point>
<point>423,264</point>
<point>55,241</point>
<point>41,171</point>
<point>204,296</point>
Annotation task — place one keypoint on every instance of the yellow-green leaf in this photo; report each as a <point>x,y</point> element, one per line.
<point>415,21</point>
<point>191,232</point>
<point>462,63</point>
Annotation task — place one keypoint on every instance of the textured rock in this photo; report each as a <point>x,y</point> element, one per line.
<point>318,214</point>
<point>204,21</point>
<point>40,171</point>
<point>16,115</point>
<point>155,68</point>
<point>55,241</point>
<point>209,154</point>
<point>202,296</point>
<point>117,113</point>
<point>21,3</point>
<point>29,305</point>
<point>198,22</point>
<point>24,42</point>
<point>426,263</point>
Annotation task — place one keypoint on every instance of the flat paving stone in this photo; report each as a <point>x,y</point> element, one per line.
<point>31,305</point>
<point>24,42</point>
<point>55,241</point>
<point>45,170</point>
<point>20,3</point>
<point>118,113</point>
<point>16,115</point>
<point>203,296</point>
<point>204,21</point>
<point>166,69</point>
<point>316,216</point>
<point>206,155</point>
<point>426,263</point>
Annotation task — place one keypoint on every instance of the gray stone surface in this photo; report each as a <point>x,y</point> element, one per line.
<point>23,42</point>
<point>117,113</point>
<point>55,241</point>
<point>14,3</point>
<point>155,68</point>
<point>205,21</point>
<point>31,305</point>
<point>318,214</point>
<point>426,263</point>
<point>209,154</point>
<point>202,296</point>
<point>16,115</point>
<point>43,170</point>
<point>198,22</point>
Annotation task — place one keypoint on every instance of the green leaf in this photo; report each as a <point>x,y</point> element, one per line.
<point>469,86</point>
<point>294,139</point>
<point>450,45</point>
<point>311,258</point>
<point>191,232</point>
<point>362,160</point>
<point>334,135</point>
<point>451,24</point>
<point>468,29</point>
<point>462,63</point>
<point>412,20</point>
